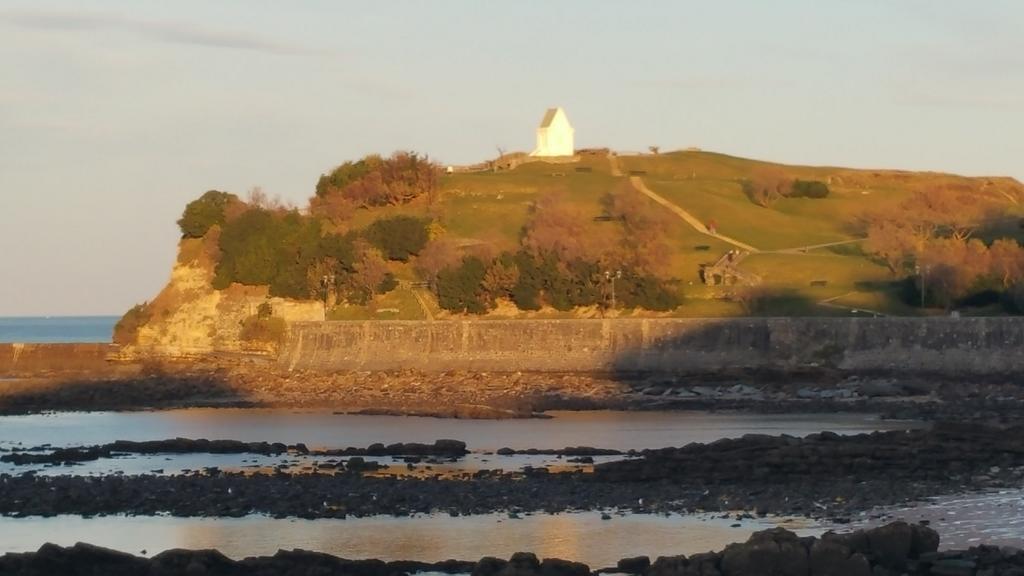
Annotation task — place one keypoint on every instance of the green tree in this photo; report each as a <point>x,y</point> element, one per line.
<point>203,213</point>
<point>808,189</point>
<point>459,289</point>
<point>399,237</point>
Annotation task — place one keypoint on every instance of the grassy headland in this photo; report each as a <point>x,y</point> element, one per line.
<point>402,238</point>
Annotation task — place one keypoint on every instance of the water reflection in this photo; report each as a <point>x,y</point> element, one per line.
<point>582,537</point>
<point>319,428</point>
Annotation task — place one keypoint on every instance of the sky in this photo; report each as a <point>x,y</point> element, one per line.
<point>114,114</point>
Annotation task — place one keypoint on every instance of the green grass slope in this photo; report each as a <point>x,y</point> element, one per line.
<point>492,208</point>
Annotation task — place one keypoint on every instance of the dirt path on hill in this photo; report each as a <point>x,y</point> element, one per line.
<point>808,248</point>
<point>690,219</point>
<point>613,161</point>
<point>423,304</point>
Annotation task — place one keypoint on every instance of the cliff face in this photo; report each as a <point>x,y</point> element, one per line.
<point>190,317</point>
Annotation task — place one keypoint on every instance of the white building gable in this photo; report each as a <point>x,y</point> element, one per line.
<point>554,135</point>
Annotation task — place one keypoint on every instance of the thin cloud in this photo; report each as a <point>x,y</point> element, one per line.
<point>175,32</point>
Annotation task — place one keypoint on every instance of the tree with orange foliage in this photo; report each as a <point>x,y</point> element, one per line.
<point>767,184</point>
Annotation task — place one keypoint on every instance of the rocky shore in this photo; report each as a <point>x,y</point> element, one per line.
<point>822,476</point>
<point>513,395</point>
<point>896,548</point>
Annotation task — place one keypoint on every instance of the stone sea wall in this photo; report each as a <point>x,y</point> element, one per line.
<point>896,345</point>
<point>17,359</point>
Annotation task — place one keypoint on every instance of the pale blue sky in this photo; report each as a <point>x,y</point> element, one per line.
<point>113,114</point>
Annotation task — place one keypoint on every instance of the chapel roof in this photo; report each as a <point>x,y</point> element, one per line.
<point>549,117</point>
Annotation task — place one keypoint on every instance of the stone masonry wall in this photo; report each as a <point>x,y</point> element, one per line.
<point>913,345</point>
<point>38,359</point>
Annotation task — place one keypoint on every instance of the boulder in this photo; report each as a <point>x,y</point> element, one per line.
<point>923,540</point>
<point>891,544</point>
<point>451,447</point>
<point>775,552</point>
<point>191,562</point>
<point>636,565</point>
<point>559,567</point>
<point>831,558</point>
<point>521,564</point>
<point>668,566</point>
<point>489,566</point>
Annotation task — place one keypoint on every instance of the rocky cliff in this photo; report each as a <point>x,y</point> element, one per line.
<point>190,317</point>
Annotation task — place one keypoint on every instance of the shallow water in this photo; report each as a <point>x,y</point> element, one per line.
<point>964,520</point>
<point>321,428</point>
<point>578,536</point>
<point>583,537</point>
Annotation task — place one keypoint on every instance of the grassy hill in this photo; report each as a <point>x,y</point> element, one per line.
<point>492,207</point>
<point>806,251</point>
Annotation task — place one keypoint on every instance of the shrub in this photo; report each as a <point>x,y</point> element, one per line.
<point>766,184</point>
<point>262,330</point>
<point>399,237</point>
<point>346,174</point>
<point>126,331</point>
<point>808,189</point>
<point>376,181</point>
<point>459,289</point>
<point>644,291</point>
<point>265,248</point>
<point>203,213</point>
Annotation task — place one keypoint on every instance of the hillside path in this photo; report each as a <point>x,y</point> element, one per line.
<point>423,304</point>
<point>831,303</point>
<point>613,162</point>
<point>690,219</point>
<point>808,248</point>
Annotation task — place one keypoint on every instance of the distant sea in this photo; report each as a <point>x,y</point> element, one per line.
<point>57,328</point>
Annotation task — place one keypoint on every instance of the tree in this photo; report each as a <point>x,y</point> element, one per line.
<point>346,174</point>
<point>950,268</point>
<point>399,237</point>
<point>891,241</point>
<point>501,277</point>
<point>371,272</point>
<point>377,181</point>
<point>643,243</point>
<point>559,227</point>
<point>459,288</point>
<point>1006,262</point>
<point>205,212</point>
<point>334,208</point>
<point>808,189</point>
<point>438,254</point>
<point>766,184</point>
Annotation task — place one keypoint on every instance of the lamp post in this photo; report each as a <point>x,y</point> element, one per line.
<point>325,282</point>
<point>612,276</point>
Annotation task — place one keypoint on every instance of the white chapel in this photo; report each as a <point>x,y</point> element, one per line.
<point>554,135</point>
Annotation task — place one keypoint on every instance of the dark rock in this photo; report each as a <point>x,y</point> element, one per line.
<point>954,567</point>
<point>775,552</point>
<point>636,565</point>
<point>521,564</point>
<point>558,567</point>
<point>831,558</point>
<point>923,540</point>
<point>489,566</point>
<point>891,544</point>
<point>668,566</point>
<point>192,562</point>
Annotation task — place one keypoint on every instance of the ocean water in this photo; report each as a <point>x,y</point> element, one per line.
<point>57,328</point>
